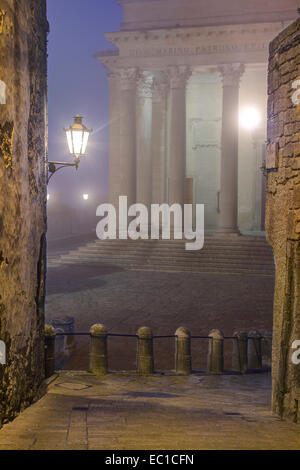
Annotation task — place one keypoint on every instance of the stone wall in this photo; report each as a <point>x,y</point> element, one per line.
<point>283,214</point>
<point>23,134</point>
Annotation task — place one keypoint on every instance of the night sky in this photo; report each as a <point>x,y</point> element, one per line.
<point>78,85</point>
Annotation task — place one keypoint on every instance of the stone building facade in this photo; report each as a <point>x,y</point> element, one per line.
<point>283,215</point>
<point>181,72</point>
<point>23,135</point>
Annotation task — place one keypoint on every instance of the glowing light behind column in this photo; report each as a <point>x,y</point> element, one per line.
<point>250,118</point>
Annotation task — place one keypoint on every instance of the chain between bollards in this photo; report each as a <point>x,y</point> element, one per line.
<point>246,350</point>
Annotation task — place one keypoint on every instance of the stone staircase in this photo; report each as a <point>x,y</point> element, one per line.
<point>240,255</point>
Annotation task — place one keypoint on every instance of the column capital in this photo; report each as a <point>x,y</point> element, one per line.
<point>145,85</point>
<point>160,86</point>
<point>128,77</point>
<point>178,75</point>
<point>114,74</point>
<point>231,73</point>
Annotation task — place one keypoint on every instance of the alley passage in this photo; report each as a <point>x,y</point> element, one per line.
<point>81,411</point>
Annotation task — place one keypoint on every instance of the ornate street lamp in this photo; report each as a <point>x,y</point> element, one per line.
<point>77,137</point>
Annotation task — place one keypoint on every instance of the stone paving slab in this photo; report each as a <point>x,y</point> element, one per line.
<point>163,412</point>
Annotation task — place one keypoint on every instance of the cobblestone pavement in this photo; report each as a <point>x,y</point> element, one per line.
<point>126,300</point>
<point>118,411</point>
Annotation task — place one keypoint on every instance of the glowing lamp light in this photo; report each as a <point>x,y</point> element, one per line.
<point>250,118</point>
<point>85,197</point>
<point>78,137</point>
<point>48,197</point>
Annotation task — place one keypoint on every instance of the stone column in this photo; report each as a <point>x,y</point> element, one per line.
<point>177,159</point>
<point>114,138</point>
<point>128,134</point>
<point>143,141</point>
<point>159,138</point>
<point>231,74</point>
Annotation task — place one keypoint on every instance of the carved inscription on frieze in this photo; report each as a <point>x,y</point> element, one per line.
<point>197,50</point>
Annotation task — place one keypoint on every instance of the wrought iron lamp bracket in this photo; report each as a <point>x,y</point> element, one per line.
<point>54,167</point>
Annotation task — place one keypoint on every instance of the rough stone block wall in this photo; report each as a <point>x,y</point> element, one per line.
<point>23,134</point>
<point>283,214</point>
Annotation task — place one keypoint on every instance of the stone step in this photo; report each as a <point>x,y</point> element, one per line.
<point>112,251</point>
<point>170,252</point>
<point>155,257</point>
<point>181,252</point>
<point>165,268</point>
<point>174,245</point>
<point>230,255</point>
<point>180,243</point>
<point>171,262</point>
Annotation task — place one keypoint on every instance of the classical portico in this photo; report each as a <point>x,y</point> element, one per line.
<point>180,74</point>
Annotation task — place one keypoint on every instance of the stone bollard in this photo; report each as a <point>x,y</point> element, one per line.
<point>239,352</point>
<point>59,341</point>
<point>67,325</point>
<point>183,357</point>
<point>145,361</point>
<point>98,350</point>
<point>215,361</point>
<point>266,348</point>
<point>49,333</point>
<point>254,350</point>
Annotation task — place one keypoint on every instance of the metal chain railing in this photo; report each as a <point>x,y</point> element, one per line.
<point>246,349</point>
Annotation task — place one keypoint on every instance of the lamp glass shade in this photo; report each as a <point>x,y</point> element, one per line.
<point>85,140</point>
<point>70,141</point>
<point>77,137</point>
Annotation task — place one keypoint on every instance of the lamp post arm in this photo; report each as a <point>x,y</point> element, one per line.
<point>54,167</point>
